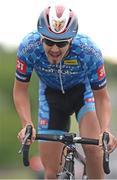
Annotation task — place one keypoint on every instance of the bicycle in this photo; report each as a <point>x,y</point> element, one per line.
<point>70,140</point>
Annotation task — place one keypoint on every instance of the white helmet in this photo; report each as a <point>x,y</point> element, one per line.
<point>58,22</point>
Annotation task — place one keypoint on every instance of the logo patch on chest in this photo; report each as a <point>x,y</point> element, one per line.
<point>71,62</point>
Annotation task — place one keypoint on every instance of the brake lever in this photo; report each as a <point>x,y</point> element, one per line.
<point>23,143</point>
<point>28,135</point>
<point>105,140</point>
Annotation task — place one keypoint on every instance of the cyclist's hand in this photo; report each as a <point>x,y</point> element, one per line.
<point>21,135</point>
<point>112,144</point>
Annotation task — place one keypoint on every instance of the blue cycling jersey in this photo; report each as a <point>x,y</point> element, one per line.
<point>83,63</point>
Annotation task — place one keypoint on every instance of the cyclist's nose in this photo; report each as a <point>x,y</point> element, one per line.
<point>54,48</point>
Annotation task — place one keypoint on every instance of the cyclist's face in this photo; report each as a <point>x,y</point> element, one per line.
<point>55,51</point>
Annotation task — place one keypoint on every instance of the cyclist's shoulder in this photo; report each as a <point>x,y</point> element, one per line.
<point>31,37</point>
<point>84,45</point>
<point>84,42</point>
<point>29,43</point>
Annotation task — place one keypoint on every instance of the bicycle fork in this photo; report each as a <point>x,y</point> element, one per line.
<point>69,164</point>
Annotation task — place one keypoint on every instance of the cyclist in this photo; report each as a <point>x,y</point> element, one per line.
<point>72,80</point>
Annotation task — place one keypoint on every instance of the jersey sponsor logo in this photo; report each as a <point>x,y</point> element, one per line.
<point>66,70</point>
<point>101,72</point>
<point>21,66</point>
<point>43,122</point>
<point>71,62</point>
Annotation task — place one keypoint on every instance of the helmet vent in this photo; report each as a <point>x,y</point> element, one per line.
<point>68,22</point>
<point>48,20</point>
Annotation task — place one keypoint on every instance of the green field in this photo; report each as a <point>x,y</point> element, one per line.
<point>9,121</point>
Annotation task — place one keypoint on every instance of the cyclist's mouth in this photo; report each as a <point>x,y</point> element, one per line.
<point>54,54</point>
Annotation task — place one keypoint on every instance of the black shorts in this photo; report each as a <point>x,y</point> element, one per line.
<point>55,108</point>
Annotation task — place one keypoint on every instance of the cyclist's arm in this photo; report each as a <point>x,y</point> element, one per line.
<point>22,102</point>
<point>103,108</point>
<point>97,77</point>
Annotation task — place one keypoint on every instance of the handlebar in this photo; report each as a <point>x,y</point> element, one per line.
<point>67,139</point>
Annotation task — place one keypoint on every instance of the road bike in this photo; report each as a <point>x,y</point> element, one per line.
<point>70,152</point>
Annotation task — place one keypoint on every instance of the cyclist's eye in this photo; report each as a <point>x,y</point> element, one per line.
<point>62,44</point>
<point>48,42</point>
<point>51,43</point>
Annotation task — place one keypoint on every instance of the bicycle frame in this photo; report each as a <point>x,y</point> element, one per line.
<point>68,167</point>
<point>68,171</point>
